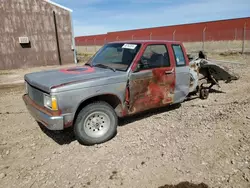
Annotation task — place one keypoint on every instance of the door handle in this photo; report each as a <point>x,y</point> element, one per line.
<point>169,72</point>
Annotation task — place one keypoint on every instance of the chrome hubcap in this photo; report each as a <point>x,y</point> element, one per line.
<point>96,124</point>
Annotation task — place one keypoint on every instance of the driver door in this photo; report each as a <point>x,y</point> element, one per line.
<point>154,84</point>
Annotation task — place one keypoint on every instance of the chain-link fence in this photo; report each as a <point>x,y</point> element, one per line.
<point>236,40</point>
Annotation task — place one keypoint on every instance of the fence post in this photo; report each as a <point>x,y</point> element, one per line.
<point>174,35</point>
<point>235,34</point>
<point>95,44</point>
<point>150,36</point>
<point>86,48</point>
<point>244,38</point>
<point>203,38</point>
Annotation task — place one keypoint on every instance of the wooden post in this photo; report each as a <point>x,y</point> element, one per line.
<point>86,48</point>
<point>95,44</point>
<point>174,35</point>
<point>235,34</point>
<point>244,38</point>
<point>150,36</point>
<point>203,38</point>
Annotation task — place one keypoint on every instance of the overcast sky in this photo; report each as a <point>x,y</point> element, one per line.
<point>101,16</point>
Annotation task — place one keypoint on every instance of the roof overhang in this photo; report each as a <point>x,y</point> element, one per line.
<point>53,3</point>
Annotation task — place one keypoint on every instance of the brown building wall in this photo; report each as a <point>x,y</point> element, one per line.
<point>34,19</point>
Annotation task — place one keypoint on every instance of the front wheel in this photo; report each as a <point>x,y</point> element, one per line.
<point>96,123</point>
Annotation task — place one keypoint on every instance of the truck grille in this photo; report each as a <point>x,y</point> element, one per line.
<point>35,94</point>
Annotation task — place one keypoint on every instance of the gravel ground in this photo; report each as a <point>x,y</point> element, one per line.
<point>204,142</point>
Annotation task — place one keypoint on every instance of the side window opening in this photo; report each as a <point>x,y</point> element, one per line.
<point>179,55</point>
<point>156,56</point>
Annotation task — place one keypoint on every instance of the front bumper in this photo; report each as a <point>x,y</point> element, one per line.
<point>51,121</point>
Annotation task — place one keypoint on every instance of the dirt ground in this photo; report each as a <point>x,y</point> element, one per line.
<point>9,77</point>
<point>203,142</point>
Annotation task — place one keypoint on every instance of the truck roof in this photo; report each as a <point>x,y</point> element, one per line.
<point>147,41</point>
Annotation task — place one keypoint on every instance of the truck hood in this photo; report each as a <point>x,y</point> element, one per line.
<point>47,80</point>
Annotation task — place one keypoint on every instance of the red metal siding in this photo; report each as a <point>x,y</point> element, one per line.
<point>209,31</point>
<point>90,40</point>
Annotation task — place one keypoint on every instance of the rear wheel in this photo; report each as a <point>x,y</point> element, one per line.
<point>204,92</point>
<point>96,123</point>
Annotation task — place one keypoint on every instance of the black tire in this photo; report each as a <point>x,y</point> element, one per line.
<point>204,93</point>
<point>80,132</point>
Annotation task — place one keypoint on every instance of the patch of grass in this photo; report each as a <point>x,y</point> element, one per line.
<point>85,54</point>
<point>6,73</point>
<point>230,53</point>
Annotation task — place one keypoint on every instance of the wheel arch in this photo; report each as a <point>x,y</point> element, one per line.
<point>113,100</point>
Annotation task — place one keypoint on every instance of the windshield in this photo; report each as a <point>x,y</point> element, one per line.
<point>118,56</point>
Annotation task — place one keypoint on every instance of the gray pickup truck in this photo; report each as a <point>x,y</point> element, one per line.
<point>121,79</point>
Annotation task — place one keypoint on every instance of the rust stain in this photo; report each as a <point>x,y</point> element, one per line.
<point>194,67</point>
<point>154,92</point>
<point>68,124</point>
<point>43,109</point>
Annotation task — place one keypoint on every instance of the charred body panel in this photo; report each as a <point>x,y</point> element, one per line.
<point>73,90</point>
<point>204,74</point>
<point>218,72</point>
<point>56,79</point>
<point>151,89</point>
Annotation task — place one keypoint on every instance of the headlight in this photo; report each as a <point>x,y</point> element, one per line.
<point>50,102</point>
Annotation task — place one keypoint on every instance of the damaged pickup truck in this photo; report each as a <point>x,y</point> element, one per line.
<point>121,79</point>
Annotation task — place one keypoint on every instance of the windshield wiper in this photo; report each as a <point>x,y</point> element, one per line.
<point>104,66</point>
<point>88,64</point>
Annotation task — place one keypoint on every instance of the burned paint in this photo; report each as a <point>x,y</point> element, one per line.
<point>211,73</point>
<point>127,94</point>
<point>78,70</point>
<point>72,82</point>
<point>154,88</point>
<point>195,67</point>
<point>68,124</point>
<point>121,110</point>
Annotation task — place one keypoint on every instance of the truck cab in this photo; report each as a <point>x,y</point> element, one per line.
<point>123,78</point>
<point>159,76</point>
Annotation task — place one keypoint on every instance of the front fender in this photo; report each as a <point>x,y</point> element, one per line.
<point>70,101</point>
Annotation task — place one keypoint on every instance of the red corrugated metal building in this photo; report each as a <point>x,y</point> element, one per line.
<point>231,29</point>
